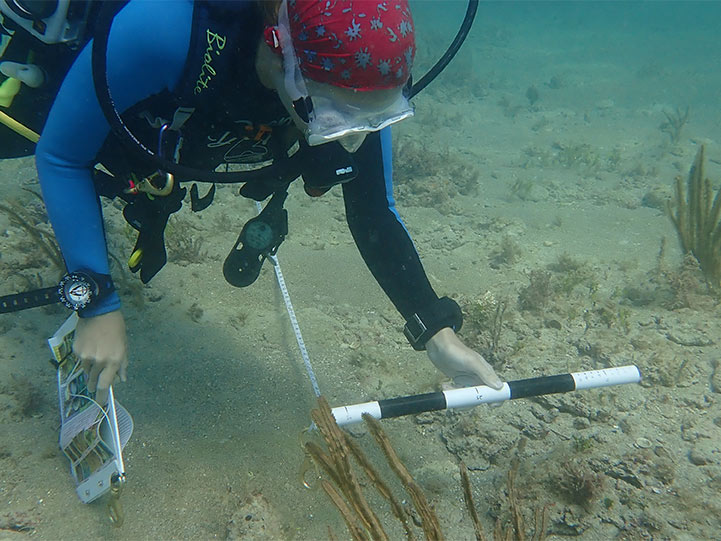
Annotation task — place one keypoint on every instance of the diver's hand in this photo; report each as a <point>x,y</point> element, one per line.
<point>101,345</point>
<point>459,362</point>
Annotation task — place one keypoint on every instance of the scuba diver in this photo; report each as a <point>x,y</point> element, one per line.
<point>310,87</point>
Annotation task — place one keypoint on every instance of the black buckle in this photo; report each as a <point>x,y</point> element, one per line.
<point>303,107</point>
<point>414,329</point>
<point>422,325</point>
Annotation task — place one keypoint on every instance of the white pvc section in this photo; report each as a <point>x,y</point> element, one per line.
<point>113,420</point>
<point>468,397</point>
<point>606,377</point>
<point>348,415</point>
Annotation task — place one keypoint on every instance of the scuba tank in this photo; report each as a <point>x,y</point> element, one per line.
<point>39,40</point>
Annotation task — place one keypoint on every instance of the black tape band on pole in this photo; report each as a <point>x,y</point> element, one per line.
<point>523,388</point>
<point>407,405</point>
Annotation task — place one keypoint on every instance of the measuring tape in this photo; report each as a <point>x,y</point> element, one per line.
<point>293,320</point>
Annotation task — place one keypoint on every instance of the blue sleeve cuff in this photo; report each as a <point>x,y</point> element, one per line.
<point>108,304</point>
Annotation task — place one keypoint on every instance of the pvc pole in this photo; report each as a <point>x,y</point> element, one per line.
<point>472,396</point>
<point>113,420</point>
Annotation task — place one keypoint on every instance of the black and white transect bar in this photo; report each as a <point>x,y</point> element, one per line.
<point>482,394</point>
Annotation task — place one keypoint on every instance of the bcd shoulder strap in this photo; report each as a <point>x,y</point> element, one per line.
<point>222,35</point>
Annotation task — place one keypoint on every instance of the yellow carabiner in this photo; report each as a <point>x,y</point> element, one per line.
<point>146,185</point>
<point>307,464</point>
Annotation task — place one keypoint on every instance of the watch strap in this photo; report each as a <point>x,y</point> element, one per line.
<point>105,287</point>
<point>29,299</point>
<point>422,325</point>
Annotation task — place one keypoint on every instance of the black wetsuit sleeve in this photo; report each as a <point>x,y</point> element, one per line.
<point>379,233</point>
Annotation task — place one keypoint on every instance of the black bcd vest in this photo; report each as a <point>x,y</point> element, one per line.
<point>235,118</point>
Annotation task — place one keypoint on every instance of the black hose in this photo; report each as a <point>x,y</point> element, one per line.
<point>451,51</point>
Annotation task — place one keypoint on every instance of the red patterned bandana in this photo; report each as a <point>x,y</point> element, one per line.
<point>359,44</point>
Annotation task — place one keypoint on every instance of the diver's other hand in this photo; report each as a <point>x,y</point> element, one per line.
<point>101,345</point>
<point>459,362</point>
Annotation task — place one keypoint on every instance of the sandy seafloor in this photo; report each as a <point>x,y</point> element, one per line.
<point>554,208</point>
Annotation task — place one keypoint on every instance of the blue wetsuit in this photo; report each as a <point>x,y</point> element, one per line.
<point>147,51</point>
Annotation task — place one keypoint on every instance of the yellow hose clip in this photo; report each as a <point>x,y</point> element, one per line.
<point>135,257</point>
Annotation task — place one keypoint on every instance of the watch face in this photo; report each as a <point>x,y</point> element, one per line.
<point>75,291</point>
